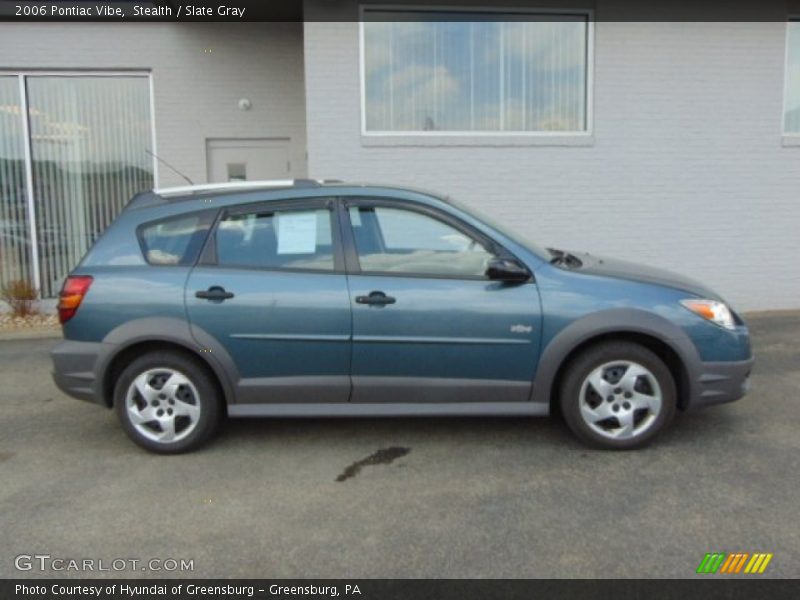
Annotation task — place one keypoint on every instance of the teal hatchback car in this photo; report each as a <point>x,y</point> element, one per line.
<point>308,299</point>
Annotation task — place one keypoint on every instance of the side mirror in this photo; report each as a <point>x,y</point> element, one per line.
<point>507,269</point>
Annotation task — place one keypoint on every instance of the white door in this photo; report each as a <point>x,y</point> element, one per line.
<point>248,159</point>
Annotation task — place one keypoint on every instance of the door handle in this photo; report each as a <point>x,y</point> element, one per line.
<point>376,298</point>
<point>215,292</point>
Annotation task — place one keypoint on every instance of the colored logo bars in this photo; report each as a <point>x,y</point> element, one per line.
<point>720,562</point>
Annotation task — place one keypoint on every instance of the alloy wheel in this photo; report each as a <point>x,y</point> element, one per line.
<point>620,399</point>
<point>163,405</point>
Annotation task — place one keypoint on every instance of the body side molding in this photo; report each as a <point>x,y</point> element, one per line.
<point>372,409</point>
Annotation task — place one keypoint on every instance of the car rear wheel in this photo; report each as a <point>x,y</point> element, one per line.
<point>617,395</point>
<point>167,402</point>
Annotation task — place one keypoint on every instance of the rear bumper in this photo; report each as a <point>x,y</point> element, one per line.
<point>720,382</point>
<point>74,365</point>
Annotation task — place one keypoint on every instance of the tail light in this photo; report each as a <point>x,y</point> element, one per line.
<point>71,296</point>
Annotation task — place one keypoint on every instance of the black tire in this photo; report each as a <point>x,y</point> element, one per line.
<point>207,398</point>
<point>580,368</point>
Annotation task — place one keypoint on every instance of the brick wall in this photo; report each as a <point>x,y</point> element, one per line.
<point>686,170</point>
<point>200,71</point>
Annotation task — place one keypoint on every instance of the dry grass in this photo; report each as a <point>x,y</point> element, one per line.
<point>21,297</point>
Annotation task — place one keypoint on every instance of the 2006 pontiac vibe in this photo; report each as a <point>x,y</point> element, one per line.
<point>306,298</point>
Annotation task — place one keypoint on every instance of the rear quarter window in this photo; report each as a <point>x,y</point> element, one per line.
<point>174,241</point>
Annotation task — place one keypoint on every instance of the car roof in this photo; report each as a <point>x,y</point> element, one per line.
<point>161,196</point>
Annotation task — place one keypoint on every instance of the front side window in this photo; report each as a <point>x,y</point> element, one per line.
<point>472,71</point>
<point>404,242</point>
<point>791,117</point>
<point>282,239</point>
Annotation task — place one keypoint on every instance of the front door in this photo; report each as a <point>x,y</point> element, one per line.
<point>428,325</point>
<point>270,289</point>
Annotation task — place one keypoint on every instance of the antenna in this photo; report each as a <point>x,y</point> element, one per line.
<point>161,160</point>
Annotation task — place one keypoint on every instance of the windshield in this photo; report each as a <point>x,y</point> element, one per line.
<point>509,233</point>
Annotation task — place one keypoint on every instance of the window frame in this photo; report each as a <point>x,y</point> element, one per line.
<point>351,251</point>
<point>586,133</point>
<point>208,255</point>
<point>792,136</point>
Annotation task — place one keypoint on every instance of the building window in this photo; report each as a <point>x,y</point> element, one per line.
<point>477,72</point>
<point>791,116</point>
<point>86,154</point>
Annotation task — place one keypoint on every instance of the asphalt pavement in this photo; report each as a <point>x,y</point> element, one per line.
<point>504,498</point>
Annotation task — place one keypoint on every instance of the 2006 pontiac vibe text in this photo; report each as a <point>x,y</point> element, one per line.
<point>311,298</point>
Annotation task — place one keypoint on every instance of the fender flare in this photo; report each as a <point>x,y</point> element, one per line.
<point>615,320</point>
<point>170,330</point>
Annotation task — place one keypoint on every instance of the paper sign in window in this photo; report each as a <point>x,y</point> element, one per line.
<point>297,233</point>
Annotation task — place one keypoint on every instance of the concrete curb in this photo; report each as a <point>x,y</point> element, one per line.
<point>29,334</point>
<point>774,314</point>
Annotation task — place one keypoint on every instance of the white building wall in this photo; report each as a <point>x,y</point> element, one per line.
<point>686,169</point>
<point>200,72</point>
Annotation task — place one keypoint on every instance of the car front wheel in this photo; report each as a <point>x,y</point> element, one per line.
<point>167,403</point>
<point>618,395</point>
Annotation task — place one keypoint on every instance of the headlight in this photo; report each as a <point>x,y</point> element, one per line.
<point>711,310</point>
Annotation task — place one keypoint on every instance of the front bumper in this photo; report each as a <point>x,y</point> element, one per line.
<point>720,382</point>
<point>74,365</point>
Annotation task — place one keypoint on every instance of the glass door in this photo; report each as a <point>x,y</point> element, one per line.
<point>90,137</point>
<point>15,246</point>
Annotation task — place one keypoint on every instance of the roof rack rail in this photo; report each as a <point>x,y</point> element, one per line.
<point>306,183</point>
<point>314,183</point>
<point>233,186</point>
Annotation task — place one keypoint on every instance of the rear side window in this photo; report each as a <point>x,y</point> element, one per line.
<point>282,239</point>
<point>175,241</point>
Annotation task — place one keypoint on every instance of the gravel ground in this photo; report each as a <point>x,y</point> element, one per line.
<point>9,322</point>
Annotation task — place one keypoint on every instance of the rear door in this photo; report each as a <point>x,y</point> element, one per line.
<point>428,325</point>
<point>271,290</point>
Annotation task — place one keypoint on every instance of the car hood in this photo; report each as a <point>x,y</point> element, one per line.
<point>623,269</point>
